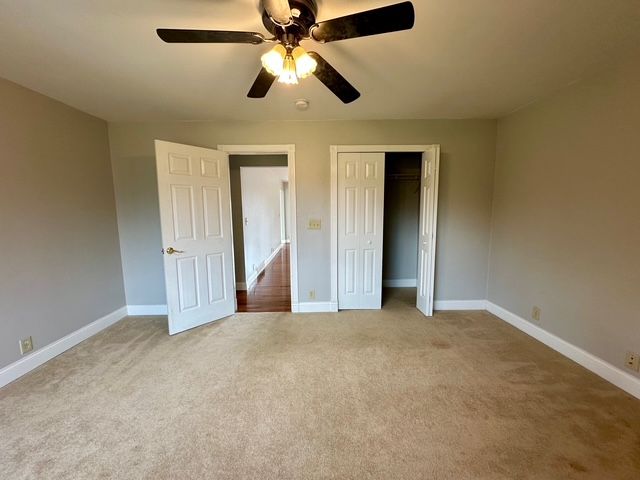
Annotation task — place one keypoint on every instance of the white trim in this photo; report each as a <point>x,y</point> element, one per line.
<point>609,372</point>
<point>242,286</point>
<point>251,281</point>
<point>147,310</point>
<point>333,153</point>
<point>434,228</point>
<point>290,151</point>
<point>399,283</point>
<point>23,366</point>
<point>460,305</point>
<point>384,148</point>
<point>316,307</point>
<point>333,215</point>
<point>282,149</point>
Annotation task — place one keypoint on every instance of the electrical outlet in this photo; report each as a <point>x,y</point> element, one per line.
<point>536,313</point>
<point>632,361</point>
<point>312,294</point>
<point>26,345</point>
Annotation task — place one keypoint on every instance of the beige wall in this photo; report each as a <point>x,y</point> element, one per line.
<point>468,154</point>
<point>566,219</point>
<point>60,253</point>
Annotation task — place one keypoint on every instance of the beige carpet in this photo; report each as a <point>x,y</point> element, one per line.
<point>355,395</point>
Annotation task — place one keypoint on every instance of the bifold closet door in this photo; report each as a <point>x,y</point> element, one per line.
<point>428,223</point>
<point>360,230</point>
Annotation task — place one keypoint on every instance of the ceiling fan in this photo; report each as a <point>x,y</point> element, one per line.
<point>292,21</point>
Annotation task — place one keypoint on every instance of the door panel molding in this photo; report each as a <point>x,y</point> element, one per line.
<point>195,217</point>
<point>360,207</point>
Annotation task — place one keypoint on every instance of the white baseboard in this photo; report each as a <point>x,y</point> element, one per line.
<point>399,283</point>
<point>20,367</point>
<point>146,310</point>
<point>611,373</point>
<point>460,305</point>
<point>242,286</point>
<point>251,281</point>
<point>314,307</point>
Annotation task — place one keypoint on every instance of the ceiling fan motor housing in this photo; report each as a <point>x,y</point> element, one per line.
<point>299,29</point>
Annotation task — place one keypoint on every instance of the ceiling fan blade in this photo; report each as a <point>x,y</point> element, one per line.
<point>262,84</point>
<point>392,18</point>
<point>279,11</point>
<point>171,35</point>
<point>335,82</point>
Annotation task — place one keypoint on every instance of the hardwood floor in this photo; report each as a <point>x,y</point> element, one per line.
<point>272,291</point>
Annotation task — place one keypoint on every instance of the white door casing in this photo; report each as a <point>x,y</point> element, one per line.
<point>290,151</point>
<point>428,218</point>
<point>360,229</point>
<point>195,215</point>
<point>427,235</point>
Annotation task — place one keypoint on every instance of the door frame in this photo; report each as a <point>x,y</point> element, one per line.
<point>334,151</point>
<point>290,152</point>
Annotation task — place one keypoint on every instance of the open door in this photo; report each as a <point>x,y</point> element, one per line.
<point>195,215</point>
<point>428,221</point>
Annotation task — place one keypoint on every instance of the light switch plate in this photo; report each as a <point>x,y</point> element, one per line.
<point>315,224</point>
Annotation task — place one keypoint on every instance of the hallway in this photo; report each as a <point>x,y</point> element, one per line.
<point>272,291</point>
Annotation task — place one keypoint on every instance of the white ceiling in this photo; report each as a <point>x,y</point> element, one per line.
<point>463,59</point>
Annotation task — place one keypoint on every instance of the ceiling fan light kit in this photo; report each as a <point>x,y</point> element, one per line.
<point>288,63</point>
<point>293,21</point>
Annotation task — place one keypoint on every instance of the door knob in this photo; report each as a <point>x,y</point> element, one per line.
<point>171,251</point>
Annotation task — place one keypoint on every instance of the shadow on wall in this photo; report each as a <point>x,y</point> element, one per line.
<point>139,211</point>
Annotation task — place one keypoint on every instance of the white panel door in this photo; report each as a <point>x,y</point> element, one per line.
<point>195,215</point>
<point>360,228</point>
<point>427,238</point>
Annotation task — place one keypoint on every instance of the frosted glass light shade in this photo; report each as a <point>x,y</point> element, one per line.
<point>273,60</point>
<point>305,65</point>
<point>288,74</point>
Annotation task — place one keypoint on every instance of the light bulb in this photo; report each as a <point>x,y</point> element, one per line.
<point>305,65</point>
<point>273,60</point>
<point>288,74</point>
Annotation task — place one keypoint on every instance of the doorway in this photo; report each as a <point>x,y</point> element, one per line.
<point>260,218</point>
<point>401,226</point>
<point>269,284</point>
<point>358,204</point>
<point>197,231</point>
